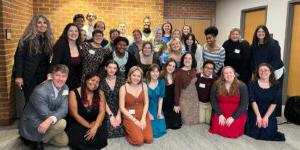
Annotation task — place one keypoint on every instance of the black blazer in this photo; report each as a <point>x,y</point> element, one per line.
<point>62,55</point>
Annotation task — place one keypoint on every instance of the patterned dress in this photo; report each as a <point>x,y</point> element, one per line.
<point>112,100</point>
<point>92,59</point>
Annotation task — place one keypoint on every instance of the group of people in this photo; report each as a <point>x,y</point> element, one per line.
<point>94,89</point>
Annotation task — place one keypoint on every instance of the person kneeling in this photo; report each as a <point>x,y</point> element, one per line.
<point>41,121</point>
<point>87,109</point>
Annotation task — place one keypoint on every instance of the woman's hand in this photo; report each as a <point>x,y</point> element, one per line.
<point>143,123</point>
<point>258,121</point>
<point>229,121</point>
<point>90,134</point>
<point>160,115</point>
<point>151,116</point>
<point>19,82</point>
<point>138,123</point>
<point>265,122</point>
<point>113,121</point>
<point>118,120</point>
<point>222,120</point>
<point>176,109</point>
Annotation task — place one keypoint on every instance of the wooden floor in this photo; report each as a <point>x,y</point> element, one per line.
<point>187,138</point>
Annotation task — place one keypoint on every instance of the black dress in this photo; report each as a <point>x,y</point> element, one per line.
<point>112,100</point>
<point>76,131</point>
<point>173,119</point>
<point>145,67</point>
<point>263,98</point>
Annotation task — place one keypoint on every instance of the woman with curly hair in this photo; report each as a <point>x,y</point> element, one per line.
<point>32,57</point>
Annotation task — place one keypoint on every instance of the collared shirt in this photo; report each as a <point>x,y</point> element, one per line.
<point>202,76</point>
<point>56,91</point>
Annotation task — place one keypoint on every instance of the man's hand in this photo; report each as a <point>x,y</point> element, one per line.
<point>43,127</point>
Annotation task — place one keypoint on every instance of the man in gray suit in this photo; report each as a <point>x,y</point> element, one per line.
<point>42,120</point>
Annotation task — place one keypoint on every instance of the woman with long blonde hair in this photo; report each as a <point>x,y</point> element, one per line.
<point>32,57</point>
<point>134,104</point>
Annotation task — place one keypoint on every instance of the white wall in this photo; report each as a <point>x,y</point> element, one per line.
<point>228,15</point>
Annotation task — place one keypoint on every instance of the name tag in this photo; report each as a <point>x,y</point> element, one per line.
<point>237,51</point>
<point>202,85</point>
<point>65,92</point>
<point>92,52</point>
<point>131,111</point>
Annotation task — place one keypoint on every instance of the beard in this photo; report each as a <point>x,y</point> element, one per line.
<point>147,30</point>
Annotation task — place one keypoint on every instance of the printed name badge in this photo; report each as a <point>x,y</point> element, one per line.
<point>65,92</point>
<point>202,85</point>
<point>131,111</point>
<point>237,51</point>
<point>92,52</point>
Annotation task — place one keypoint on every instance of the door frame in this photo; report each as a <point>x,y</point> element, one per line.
<point>243,16</point>
<point>212,20</point>
<point>287,45</point>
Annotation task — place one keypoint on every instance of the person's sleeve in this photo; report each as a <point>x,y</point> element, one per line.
<point>39,102</point>
<point>243,101</point>
<point>221,60</point>
<point>163,58</point>
<point>178,87</point>
<point>252,62</point>
<point>277,94</point>
<point>246,54</point>
<point>213,100</point>
<point>199,58</point>
<point>54,119</point>
<point>131,49</point>
<point>162,88</point>
<point>276,61</point>
<point>251,92</point>
<point>19,61</point>
<point>58,55</point>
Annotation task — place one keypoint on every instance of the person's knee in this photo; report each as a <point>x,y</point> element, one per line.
<point>60,140</point>
<point>60,125</point>
<point>148,139</point>
<point>137,141</point>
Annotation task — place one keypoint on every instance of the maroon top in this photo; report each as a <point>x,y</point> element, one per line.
<point>203,86</point>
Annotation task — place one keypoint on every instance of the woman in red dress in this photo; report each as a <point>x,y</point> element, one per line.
<point>229,100</point>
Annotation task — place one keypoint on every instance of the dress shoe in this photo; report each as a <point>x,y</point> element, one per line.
<point>25,141</point>
<point>37,145</point>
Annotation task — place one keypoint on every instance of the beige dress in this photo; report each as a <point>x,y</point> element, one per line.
<point>189,104</point>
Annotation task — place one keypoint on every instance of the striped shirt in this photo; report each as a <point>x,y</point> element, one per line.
<point>217,56</point>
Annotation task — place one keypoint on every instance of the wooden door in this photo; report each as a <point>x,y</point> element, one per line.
<point>198,26</point>
<point>176,23</point>
<point>293,87</point>
<point>252,19</point>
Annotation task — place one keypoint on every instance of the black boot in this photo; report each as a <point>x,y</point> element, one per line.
<point>25,141</point>
<point>37,145</point>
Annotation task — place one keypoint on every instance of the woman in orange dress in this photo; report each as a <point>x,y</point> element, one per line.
<point>134,104</point>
